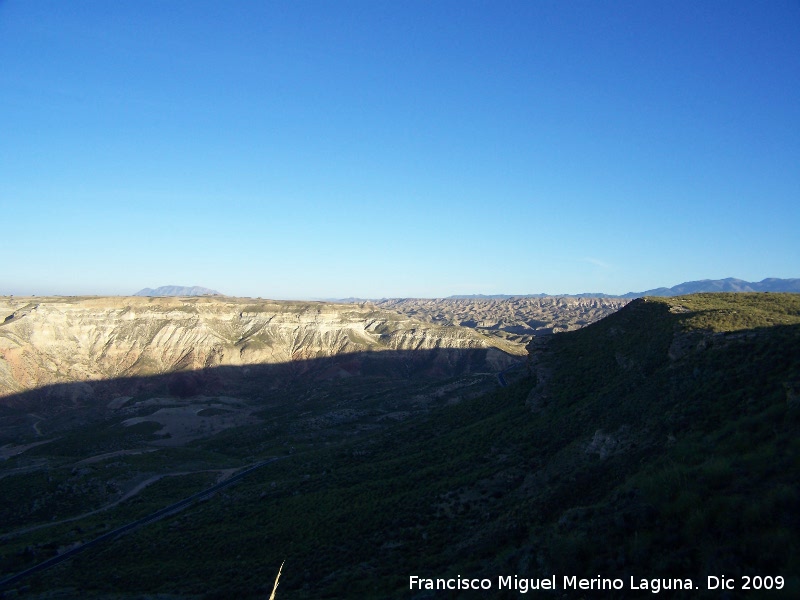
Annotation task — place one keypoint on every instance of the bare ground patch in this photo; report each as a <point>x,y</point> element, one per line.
<point>194,418</point>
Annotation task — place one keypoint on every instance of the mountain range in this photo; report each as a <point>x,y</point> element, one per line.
<point>729,284</point>
<point>178,290</point>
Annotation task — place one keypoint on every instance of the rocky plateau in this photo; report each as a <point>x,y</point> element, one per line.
<point>46,341</point>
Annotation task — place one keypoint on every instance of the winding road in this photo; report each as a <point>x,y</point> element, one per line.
<point>151,518</point>
<point>501,375</point>
<point>160,514</point>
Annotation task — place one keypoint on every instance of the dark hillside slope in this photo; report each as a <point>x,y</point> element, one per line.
<point>660,442</point>
<point>675,424</point>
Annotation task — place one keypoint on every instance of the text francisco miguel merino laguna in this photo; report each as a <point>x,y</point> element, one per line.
<point>523,585</point>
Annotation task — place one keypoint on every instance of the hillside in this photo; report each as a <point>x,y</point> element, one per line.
<point>46,341</point>
<point>657,443</point>
<point>688,408</point>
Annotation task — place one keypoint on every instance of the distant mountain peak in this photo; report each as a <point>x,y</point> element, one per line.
<point>729,284</point>
<point>178,290</point>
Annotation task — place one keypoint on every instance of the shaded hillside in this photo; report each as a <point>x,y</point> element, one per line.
<point>676,422</point>
<point>659,442</point>
<point>42,414</point>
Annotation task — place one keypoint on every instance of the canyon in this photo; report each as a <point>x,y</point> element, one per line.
<point>50,341</point>
<point>368,441</point>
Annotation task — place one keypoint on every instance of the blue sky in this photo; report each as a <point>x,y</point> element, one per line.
<point>381,149</point>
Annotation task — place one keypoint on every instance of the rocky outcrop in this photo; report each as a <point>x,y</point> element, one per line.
<point>59,340</point>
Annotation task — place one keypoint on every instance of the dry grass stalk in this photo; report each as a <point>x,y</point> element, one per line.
<point>275,587</point>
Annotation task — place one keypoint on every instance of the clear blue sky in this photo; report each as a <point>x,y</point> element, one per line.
<point>303,149</point>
